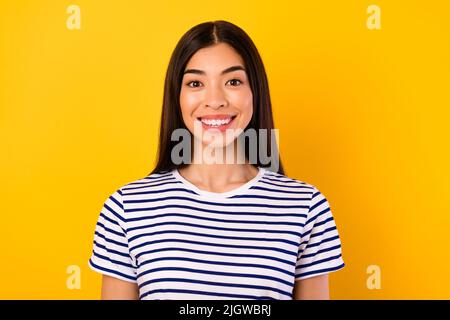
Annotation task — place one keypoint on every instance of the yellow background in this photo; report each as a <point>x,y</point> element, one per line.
<point>363,115</point>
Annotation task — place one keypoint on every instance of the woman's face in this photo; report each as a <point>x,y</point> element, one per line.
<point>215,95</point>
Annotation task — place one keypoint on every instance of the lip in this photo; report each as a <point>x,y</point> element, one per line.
<point>217,117</point>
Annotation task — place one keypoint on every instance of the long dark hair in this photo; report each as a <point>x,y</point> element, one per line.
<point>200,36</point>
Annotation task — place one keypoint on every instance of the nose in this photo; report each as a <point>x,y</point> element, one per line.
<point>215,98</point>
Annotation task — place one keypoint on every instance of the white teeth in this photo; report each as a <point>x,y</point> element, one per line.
<point>216,122</point>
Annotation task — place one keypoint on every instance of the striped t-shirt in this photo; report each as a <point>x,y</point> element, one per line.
<point>179,242</point>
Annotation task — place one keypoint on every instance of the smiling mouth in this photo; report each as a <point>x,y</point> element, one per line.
<point>221,122</point>
<point>216,121</point>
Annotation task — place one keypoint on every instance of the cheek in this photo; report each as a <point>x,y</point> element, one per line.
<point>187,105</point>
<point>244,101</point>
<point>188,99</point>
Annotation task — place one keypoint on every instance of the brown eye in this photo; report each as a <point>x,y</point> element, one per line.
<point>235,82</point>
<point>188,84</point>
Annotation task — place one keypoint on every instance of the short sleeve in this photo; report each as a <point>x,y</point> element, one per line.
<point>320,249</point>
<point>110,253</point>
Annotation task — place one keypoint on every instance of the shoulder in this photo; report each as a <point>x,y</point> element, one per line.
<point>138,188</point>
<point>136,191</point>
<point>150,180</point>
<point>292,187</point>
<point>286,181</point>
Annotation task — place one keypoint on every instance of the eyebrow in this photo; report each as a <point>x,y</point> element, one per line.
<point>227,70</point>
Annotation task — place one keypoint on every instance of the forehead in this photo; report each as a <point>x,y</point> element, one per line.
<point>215,58</point>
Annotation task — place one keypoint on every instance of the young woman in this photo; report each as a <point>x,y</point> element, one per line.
<point>202,229</point>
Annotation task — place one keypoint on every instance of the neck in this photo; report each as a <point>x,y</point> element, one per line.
<point>219,176</point>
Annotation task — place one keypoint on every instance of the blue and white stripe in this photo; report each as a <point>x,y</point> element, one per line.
<point>179,242</point>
